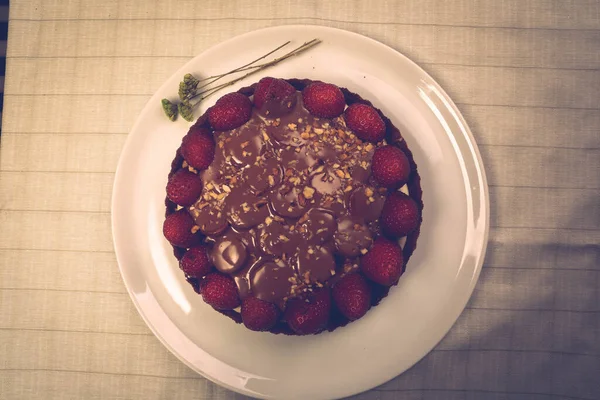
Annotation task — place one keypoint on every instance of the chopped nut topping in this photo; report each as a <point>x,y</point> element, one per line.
<point>226,188</point>
<point>308,192</point>
<point>301,200</point>
<point>195,228</point>
<point>303,219</point>
<point>306,277</point>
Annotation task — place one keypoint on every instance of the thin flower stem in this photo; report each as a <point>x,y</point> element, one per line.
<point>255,69</point>
<point>299,49</point>
<point>217,77</point>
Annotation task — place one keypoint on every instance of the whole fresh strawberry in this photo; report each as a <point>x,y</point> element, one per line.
<point>184,187</point>
<point>383,264</point>
<point>219,291</point>
<point>400,215</point>
<point>259,315</point>
<point>323,100</point>
<point>306,316</point>
<point>195,262</point>
<point>198,148</point>
<point>178,229</point>
<point>390,166</point>
<point>365,122</point>
<point>230,111</point>
<point>352,296</point>
<point>275,93</point>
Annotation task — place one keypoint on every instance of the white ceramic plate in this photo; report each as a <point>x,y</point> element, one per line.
<point>393,336</point>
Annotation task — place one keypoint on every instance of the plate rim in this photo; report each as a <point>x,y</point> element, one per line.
<point>449,103</point>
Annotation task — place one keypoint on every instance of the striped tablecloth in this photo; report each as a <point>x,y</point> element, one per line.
<point>524,73</point>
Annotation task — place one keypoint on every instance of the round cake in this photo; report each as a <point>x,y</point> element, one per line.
<point>293,206</point>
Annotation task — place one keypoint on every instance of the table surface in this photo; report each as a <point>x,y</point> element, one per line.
<point>525,74</point>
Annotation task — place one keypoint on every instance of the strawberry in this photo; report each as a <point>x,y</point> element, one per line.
<point>220,291</point>
<point>177,228</point>
<point>352,295</point>
<point>230,111</point>
<point>195,262</point>
<point>259,315</point>
<point>400,215</point>
<point>272,90</point>
<point>198,148</point>
<point>365,122</point>
<point>383,263</point>
<point>309,315</point>
<point>184,187</point>
<point>323,100</point>
<point>390,166</point>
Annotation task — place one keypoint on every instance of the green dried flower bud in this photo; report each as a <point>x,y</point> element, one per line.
<point>186,112</point>
<point>190,80</point>
<point>169,108</point>
<point>187,87</point>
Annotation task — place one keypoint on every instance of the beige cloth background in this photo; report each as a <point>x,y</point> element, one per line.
<point>524,73</point>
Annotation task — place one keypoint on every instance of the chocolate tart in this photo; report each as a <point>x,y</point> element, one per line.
<point>289,205</point>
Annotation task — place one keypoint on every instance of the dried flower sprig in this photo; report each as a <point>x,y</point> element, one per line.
<point>192,88</point>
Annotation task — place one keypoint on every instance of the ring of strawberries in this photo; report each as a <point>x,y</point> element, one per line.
<point>351,295</point>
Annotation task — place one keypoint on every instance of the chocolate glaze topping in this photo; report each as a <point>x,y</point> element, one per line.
<point>289,203</point>
<point>295,191</point>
